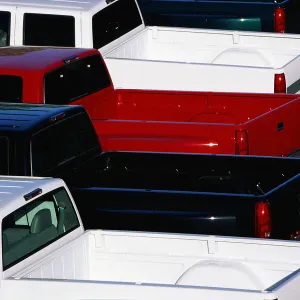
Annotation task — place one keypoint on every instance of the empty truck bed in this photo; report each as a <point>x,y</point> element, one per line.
<point>204,60</point>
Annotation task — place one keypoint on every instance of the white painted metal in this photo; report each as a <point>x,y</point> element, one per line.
<point>204,60</point>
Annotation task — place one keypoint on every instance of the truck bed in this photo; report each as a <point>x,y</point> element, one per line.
<point>187,49</point>
<point>232,15</point>
<point>180,193</point>
<point>178,106</point>
<point>211,130</point>
<point>172,260</point>
<point>208,47</point>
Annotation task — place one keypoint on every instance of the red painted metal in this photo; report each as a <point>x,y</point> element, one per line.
<point>272,130</point>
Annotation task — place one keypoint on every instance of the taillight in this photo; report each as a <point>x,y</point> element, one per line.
<point>241,142</point>
<point>296,235</point>
<point>279,20</point>
<point>279,83</point>
<point>262,220</point>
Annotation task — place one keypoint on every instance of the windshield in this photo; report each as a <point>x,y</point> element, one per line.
<point>62,142</point>
<point>36,225</point>
<point>11,88</point>
<point>4,156</point>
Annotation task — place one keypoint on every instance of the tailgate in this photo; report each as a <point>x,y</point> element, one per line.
<point>165,211</point>
<point>275,133</point>
<point>121,135</point>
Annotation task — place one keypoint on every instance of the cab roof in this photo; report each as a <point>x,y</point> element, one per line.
<point>13,190</point>
<point>26,117</point>
<point>74,5</point>
<point>38,58</point>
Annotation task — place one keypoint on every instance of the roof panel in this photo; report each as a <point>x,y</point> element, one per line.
<point>82,5</point>
<point>13,189</point>
<point>37,58</point>
<point>20,117</point>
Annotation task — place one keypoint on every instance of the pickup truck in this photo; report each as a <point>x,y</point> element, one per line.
<point>265,15</point>
<point>158,58</point>
<point>54,75</point>
<point>164,192</point>
<point>46,254</point>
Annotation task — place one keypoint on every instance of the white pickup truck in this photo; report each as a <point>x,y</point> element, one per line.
<point>46,254</point>
<point>157,58</point>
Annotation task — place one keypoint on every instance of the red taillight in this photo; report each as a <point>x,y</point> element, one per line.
<point>279,83</point>
<point>262,220</point>
<point>241,142</point>
<point>296,235</point>
<point>279,20</point>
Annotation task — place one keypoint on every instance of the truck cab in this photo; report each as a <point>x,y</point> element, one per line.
<point>46,139</point>
<point>31,225</point>
<point>96,24</point>
<point>55,76</point>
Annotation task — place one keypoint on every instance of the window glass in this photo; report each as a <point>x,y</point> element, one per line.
<point>5,17</point>
<point>11,88</point>
<point>62,142</point>
<point>49,30</point>
<point>4,155</point>
<point>114,21</point>
<point>75,80</point>
<point>37,224</point>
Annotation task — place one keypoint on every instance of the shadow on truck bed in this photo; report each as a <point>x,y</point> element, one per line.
<point>189,172</point>
<point>208,194</point>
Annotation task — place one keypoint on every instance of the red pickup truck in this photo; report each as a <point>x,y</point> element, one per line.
<point>167,121</point>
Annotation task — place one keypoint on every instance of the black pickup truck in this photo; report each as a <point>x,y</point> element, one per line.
<point>187,193</point>
<point>250,15</point>
<point>209,194</point>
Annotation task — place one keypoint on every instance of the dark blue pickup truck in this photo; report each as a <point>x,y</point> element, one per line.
<point>210,194</point>
<point>249,15</point>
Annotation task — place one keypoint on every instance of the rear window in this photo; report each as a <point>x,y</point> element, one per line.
<point>11,88</point>
<point>4,28</point>
<point>61,142</point>
<point>4,156</point>
<point>75,80</point>
<point>114,21</point>
<point>36,225</point>
<point>49,30</point>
